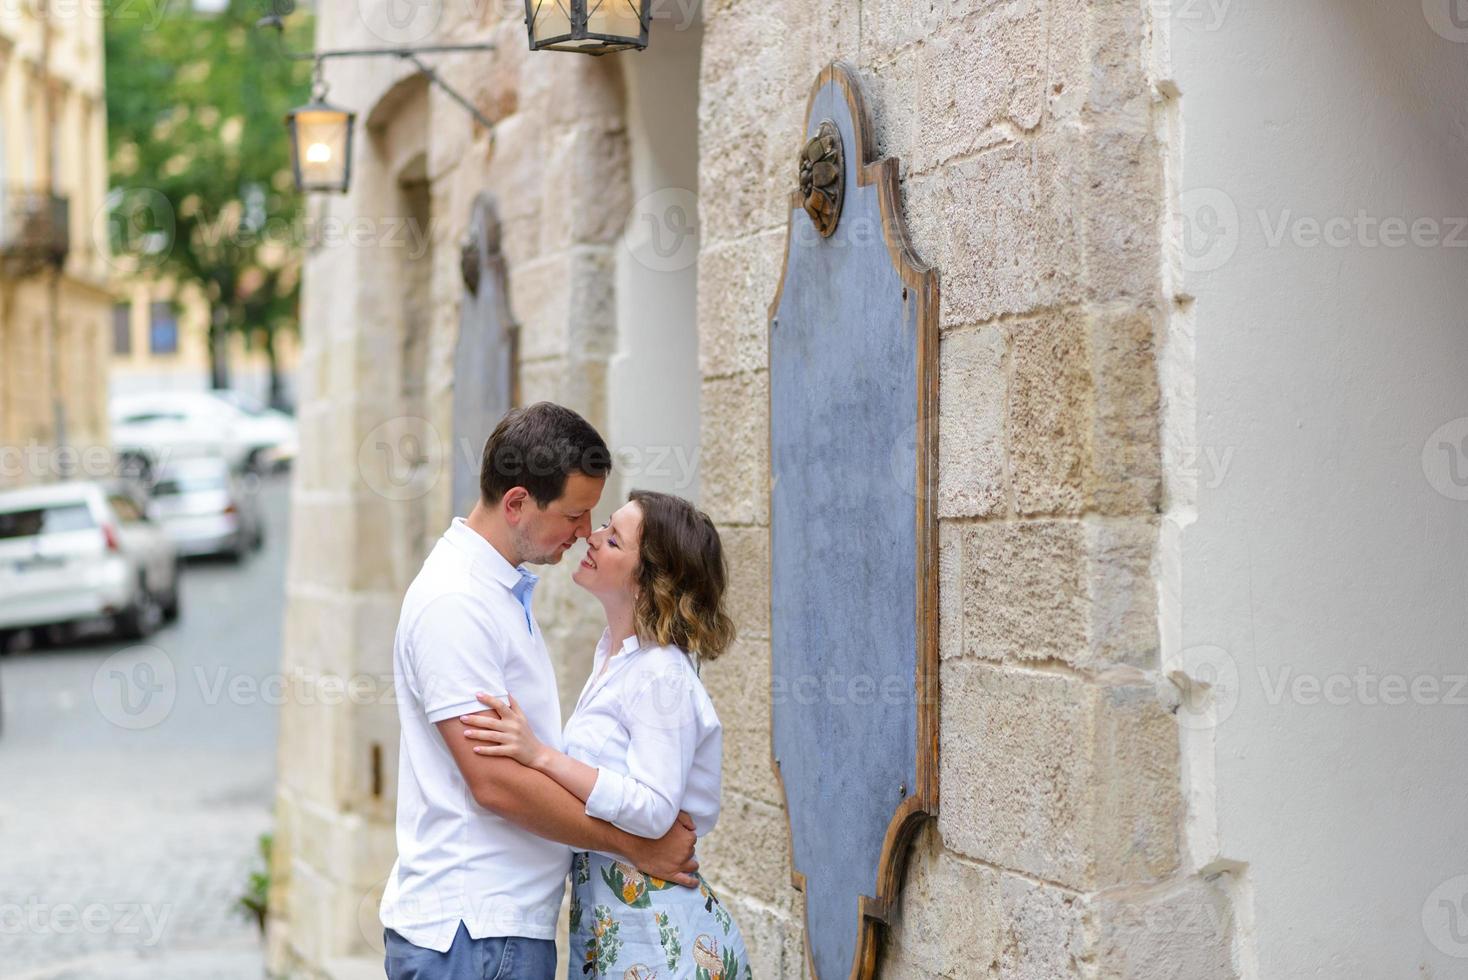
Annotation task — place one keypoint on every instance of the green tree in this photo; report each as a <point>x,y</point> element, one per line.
<point>200,163</point>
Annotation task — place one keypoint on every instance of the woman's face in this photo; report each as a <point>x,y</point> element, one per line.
<point>610,567</point>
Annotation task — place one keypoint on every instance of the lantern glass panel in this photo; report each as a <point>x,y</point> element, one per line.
<point>620,17</point>
<point>588,26</point>
<point>321,147</point>
<point>552,19</point>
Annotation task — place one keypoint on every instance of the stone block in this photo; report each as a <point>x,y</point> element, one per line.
<point>736,284</point>
<point>586,187</point>
<point>560,292</point>
<point>1082,420</point>
<point>888,26</point>
<point>893,86</point>
<point>747,598</point>
<point>308,909</point>
<point>542,380</point>
<point>1121,620</point>
<point>957,919</point>
<point>735,449</point>
<point>1185,929</point>
<point>1049,413</point>
<point>1121,218</point>
<point>747,767</point>
<point>984,82</point>
<point>558,93</point>
<point>739,684</point>
<point>319,560</point>
<point>1057,777</point>
<point>369,554</point>
<point>1126,454</point>
<point>1002,228</point>
<point>746,173</point>
<point>1097,64</point>
<point>952,588</point>
<point>1072,591</point>
<point>516,165</point>
<point>971,428</point>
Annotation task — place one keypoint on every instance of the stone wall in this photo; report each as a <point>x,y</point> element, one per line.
<point>1031,138</point>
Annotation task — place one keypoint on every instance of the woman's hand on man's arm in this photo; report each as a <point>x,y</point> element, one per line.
<point>505,731</point>
<point>535,802</point>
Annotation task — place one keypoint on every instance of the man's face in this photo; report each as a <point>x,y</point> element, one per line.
<point>542,535</point>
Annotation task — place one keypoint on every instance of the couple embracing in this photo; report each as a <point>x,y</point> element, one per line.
<point>497,804</point>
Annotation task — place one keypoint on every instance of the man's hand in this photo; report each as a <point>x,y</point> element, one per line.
<point>670,857</point>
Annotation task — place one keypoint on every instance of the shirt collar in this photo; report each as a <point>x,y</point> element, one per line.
<point>630,645</point>
<point>487,557</point>
<point>601,671</point>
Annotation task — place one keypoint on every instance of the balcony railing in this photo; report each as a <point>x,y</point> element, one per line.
<point>35,230</point>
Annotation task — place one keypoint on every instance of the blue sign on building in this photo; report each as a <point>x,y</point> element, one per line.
<point>853,533</point>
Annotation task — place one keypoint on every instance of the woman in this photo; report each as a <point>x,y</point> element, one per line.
<point>643,743</point>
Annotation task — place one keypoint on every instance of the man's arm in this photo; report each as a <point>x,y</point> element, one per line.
<point>533,801</point>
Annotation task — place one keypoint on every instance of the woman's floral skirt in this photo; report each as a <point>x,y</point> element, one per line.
<point>631,926</point>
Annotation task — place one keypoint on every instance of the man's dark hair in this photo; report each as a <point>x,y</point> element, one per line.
<point>537,447</point>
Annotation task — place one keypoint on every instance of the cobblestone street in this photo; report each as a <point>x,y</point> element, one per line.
<point>136,783</point>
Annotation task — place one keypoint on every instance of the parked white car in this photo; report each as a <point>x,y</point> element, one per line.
<point>206,508</point>
<point>80,552</point>
<point>158,428</point>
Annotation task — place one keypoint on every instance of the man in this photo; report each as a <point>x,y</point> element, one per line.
<point>484,843</point>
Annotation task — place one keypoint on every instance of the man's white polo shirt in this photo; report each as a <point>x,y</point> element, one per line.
<point>463,629</point>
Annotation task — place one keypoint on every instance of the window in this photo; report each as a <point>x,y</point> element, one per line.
<point>122,329</point>
<point>177,486</point>
<point>163,329</point>
<point>145,418</point>
<point>53,519</point>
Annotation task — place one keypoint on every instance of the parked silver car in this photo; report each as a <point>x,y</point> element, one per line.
<point>80,552</point>
<point>206,508</point>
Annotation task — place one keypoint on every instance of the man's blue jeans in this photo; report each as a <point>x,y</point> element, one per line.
<point>491,958</point>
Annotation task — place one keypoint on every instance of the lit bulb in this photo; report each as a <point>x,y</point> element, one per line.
<point>318,153</point>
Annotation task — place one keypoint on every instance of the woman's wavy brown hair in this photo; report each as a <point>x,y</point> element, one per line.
<point>681,577</point>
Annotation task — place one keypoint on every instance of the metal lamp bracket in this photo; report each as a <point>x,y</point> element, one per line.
<point>409,54</point>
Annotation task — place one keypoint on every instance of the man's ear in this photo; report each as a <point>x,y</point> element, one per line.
<point>513,503</point>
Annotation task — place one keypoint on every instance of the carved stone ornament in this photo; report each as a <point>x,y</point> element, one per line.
<point>481,246</point>
<point>853,381</point>
<point>469,264</point>
<point>823,178</point>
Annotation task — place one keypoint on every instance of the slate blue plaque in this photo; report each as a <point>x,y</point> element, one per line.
<point>853,539</point>
<point>484,360</point>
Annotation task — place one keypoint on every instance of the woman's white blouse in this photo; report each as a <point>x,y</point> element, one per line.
<point>649,728</point>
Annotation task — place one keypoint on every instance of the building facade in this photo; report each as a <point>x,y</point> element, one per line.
<point>54,300</point>
<point>160,342</point>
<point>1201,449</point>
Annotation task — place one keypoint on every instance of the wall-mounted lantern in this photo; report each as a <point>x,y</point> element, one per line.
<point>321,144</point>
<point>588,26</point>
<point>321,134</point>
